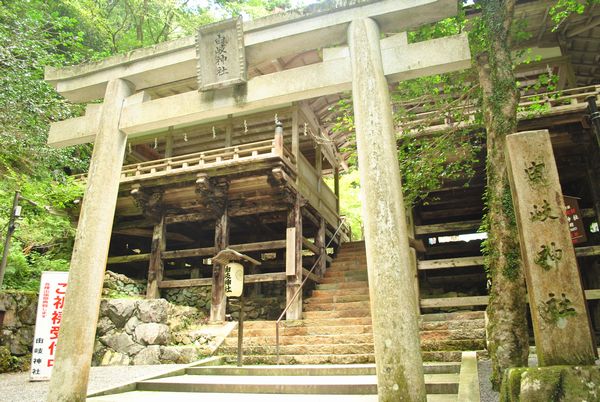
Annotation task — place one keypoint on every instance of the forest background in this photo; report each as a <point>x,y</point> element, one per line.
<point>38,33</point>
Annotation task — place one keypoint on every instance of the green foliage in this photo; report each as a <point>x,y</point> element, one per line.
<point>563,9</point>
<point>12,364</point>
<point>350,205</point>
<point>252,8</point>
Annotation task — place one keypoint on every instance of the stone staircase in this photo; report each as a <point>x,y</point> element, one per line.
<point>336,325</point>
<point>293,383</point>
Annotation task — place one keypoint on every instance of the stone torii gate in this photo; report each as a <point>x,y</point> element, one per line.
<point>364,63</point>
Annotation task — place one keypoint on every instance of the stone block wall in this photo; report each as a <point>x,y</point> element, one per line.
<point>255,307</point>
<point>19,321</point>
<point>153,331</point>
<point>119,285</point>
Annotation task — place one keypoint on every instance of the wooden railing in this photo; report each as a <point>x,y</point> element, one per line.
<point>200,160</point>
<point>530,106</point>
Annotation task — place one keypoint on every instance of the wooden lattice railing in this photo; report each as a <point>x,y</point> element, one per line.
<point>205,159</point>
<point>530,106</point>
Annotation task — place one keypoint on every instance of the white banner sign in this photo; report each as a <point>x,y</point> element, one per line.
<point>51,301</point>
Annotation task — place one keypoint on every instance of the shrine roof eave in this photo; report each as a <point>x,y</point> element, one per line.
<point>313,27</point>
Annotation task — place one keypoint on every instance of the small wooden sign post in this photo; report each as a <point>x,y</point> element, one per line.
<point>558,308</point>
<point>234,285</point>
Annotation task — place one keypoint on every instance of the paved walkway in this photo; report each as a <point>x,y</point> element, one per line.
<point>17,387</point>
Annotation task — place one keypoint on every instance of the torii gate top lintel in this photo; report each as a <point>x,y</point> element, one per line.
<point>313,27</point>
<point>169,65</point>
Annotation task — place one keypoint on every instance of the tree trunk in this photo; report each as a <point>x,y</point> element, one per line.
<point>507,326</point>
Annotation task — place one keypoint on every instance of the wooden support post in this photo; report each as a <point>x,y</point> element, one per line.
<point>295,133</point>
<point>169,143</point>
<point>228,133</point>
<point>391,282</point>
<point>218,299</point>
<point>320,243</point>
<point>319,166</point>
<point>294,260</point>
<point>336,188</point>
<point>156,266</point>
<point>82,302</point>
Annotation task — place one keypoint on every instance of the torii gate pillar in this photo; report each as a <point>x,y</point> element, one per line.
<point>78,329</point>
<point>391,284</point>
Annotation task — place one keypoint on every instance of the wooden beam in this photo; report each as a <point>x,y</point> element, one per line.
<point>254,278</point>
<point>311,275</point>
<point>587,251</point>
<point>452,227</point>
<point>465,301</point>
<point>200,252</point>
<point>330,150</point>
<point>450,263</point>
<point>311,246</point>
<point>140,232</point>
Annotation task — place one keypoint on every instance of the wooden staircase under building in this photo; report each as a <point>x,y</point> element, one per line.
<point>336,325</point>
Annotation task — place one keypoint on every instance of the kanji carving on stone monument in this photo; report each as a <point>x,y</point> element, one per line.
<point>542,212</point>
<point>556,299</point>
<point>549,256</point>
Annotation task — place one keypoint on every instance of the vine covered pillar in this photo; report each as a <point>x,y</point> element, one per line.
<point>391,282</point>
<point>88,263</point>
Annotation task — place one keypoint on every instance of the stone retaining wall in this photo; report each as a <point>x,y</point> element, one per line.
<point>119,285</point>
<point>149,332</point>
<point>19,321</point>
<point>255,308</point>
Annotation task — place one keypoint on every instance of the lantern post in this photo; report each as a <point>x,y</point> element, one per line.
<point>234,284</point>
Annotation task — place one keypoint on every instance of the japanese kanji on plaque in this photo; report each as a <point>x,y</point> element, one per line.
<point>51,301</point>
<point>221,57</point>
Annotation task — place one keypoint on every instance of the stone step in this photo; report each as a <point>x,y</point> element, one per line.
<point>337,314</point>
<point>351,265</point>
<point>331,273</point>
<point>150,396</point>
<point>312,339</point>
<point>347,331</point>
<point>428,356</point>
<point>344,276</point>
<point>344,285</point>
<point>340,292</point>
<point>337,306</point>
<point>305,330</point>
<point>336,299</point>
<point>308,359</point>
<point>314,370</point>
<point>334,384</point>
<point>305,349</point>
<point>453,325</point>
